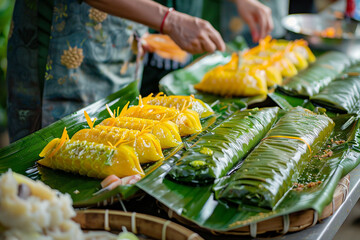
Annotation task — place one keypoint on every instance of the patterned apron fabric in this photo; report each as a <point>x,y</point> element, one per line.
<point>90,56</point>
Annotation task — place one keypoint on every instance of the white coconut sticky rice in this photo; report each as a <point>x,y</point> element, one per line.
<point>31,210</point>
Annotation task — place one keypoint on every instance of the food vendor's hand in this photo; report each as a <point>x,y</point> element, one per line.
<point>192,34</point>
<point>257,16</point>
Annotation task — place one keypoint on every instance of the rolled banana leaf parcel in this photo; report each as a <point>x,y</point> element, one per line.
<point>341,95</point>
<point>219,150</point>
<point>313,79</point>
<point>270,170</point>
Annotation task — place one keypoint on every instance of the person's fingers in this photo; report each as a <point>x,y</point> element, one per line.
<point>212,39</point>
<point>218,41</point>
<point>195,47</point>
<point>255,34</point>
<point>207,44</point>
<point>270,23</point>
<point>194,35</point>
<point>263,25</point>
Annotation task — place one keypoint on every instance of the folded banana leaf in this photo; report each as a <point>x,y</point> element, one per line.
<point>270,170</point>
<point>313,79</point>
<point>216,152</point>
<point>198,204</point>
<point>341,95</point>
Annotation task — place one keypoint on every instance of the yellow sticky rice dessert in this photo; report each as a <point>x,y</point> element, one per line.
<point>253,71</point>
<point>179,102</point>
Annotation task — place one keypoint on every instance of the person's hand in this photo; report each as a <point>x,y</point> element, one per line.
<point>192,34</point>
<point>257,16</point>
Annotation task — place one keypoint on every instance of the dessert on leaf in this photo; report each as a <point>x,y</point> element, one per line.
<point>90,159</point>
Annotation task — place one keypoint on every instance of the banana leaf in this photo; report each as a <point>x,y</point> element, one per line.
<point>313,79</point>
<point>286,102</point>
<point>21,156</point>
<point>353,69</point>
<point>341,95</point>
<point>270,170</point>
<point>199,205</point>
<point>216,152</point>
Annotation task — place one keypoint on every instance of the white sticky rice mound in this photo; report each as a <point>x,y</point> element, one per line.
<point>33,216</point>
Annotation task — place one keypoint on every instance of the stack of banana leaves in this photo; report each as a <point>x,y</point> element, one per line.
<point>342,94</point>
<point>313,79</point>
<point>275,164</point>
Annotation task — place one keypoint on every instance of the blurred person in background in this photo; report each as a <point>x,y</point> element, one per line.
<point>254,14</point>
<point>64,55</point>
<point>233,22</point>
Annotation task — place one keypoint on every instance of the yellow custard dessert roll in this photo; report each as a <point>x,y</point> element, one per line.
<point>179,102</point>
<point>90,159</point>
<point>227,81</point>
<point>166,131</point>
<point>146,145</point>
<point>187,120</point>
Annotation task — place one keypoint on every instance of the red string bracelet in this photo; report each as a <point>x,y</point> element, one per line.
<point>163,21</point>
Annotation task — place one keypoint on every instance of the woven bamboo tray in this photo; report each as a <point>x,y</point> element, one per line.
<point>150,226</point>
<point>283,224</point>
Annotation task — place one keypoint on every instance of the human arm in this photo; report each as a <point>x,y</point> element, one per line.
<point>257,16</point>
<point>190,33</point>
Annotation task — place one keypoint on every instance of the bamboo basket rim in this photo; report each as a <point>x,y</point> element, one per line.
<point>138,223</point>
<point>281,225</point>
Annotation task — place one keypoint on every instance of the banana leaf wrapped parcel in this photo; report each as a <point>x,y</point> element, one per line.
<point>269,171</point>
<point>341,95</point>
<point>216,152</point>
<point>313,79</point>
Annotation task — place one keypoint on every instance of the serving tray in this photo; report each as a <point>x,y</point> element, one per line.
<point>292,222</point>
<point>138,223</point>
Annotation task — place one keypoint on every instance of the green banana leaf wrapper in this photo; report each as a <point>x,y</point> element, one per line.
<point>341,95</point>
<point>353,69</point>
<point>270,170</point>
<point>313,79</point>
<point>216,152</point>
<point>199,205</point>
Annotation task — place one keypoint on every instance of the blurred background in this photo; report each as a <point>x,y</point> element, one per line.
<point>230,26</point>
<point>6,8</point>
